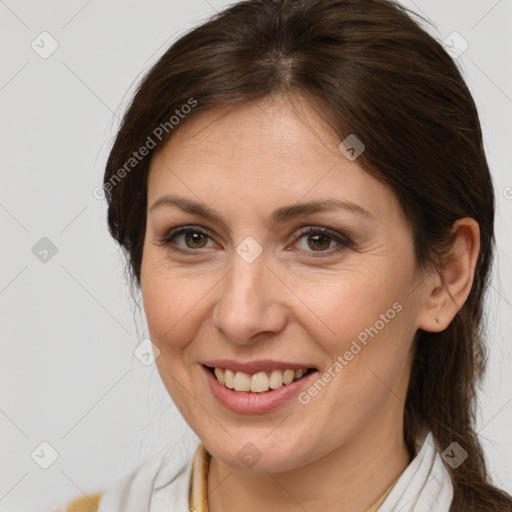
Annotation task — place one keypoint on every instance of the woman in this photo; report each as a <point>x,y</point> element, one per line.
<point>303,197</point>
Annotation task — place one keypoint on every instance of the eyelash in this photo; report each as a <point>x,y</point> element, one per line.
<point>343,242</point>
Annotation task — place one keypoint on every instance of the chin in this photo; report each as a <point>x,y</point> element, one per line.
<point>258,455</point>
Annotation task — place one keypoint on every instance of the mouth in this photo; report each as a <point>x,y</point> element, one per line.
<point>259,382</point>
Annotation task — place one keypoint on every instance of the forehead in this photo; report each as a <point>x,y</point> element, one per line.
<point>262,155</point>
<point>275,126</point>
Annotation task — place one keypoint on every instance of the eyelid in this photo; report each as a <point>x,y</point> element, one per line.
<point>342,240</point>
<point>166,239</point>
<point>304,230</point>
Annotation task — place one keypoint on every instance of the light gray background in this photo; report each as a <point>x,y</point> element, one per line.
<point>68,330</point>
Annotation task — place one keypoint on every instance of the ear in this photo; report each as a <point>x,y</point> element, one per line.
<point>457,278</point>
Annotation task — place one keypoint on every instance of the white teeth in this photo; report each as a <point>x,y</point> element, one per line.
<point>288,376</point>
<point>229,378</point>
<point>258,382</point>
<point>276,379</point>
<point>242,382</point>
<point>299,373</point>
<point>220,375</point>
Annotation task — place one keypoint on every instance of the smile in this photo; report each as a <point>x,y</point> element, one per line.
<point>255,394</point>
<point>259,382</point>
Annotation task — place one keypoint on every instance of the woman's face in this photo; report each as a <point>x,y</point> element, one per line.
<point>246,283</point>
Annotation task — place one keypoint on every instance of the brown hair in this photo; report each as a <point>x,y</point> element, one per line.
<point>379,75</point>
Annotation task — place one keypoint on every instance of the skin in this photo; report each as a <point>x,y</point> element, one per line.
<point>343,449</point>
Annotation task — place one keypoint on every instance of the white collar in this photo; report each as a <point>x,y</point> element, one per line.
<point>424,486</point>
<point>161,484</point>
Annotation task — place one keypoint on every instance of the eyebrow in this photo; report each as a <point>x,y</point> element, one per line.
<point>279,216</point>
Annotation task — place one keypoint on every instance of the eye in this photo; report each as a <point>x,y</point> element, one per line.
<point>193,237</point>
<point>318,239</point>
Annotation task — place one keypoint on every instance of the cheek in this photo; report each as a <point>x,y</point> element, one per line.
<point>168,304</point>
<point>169,312</point>
<point>366,371</point>
<point>369,340</point>
<point>368,328</point>
<point>350,305</point>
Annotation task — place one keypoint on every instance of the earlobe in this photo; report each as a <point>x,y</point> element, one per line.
<point>447,294</point>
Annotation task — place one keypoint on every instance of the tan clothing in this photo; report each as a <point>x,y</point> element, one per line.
<point>198,483</point>
<point>197,489</point>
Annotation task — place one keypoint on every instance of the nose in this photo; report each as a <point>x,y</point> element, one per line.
<point>251,301</point>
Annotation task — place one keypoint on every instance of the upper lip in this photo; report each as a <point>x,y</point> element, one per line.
<point>260,365</point>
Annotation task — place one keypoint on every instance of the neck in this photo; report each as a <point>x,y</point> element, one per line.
<point>352,477</point>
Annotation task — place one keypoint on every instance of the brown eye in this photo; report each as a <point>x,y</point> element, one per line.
<point>193,239</point>
<point>319,240</point>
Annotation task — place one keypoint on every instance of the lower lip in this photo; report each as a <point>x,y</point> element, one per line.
<point>253,403</point>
